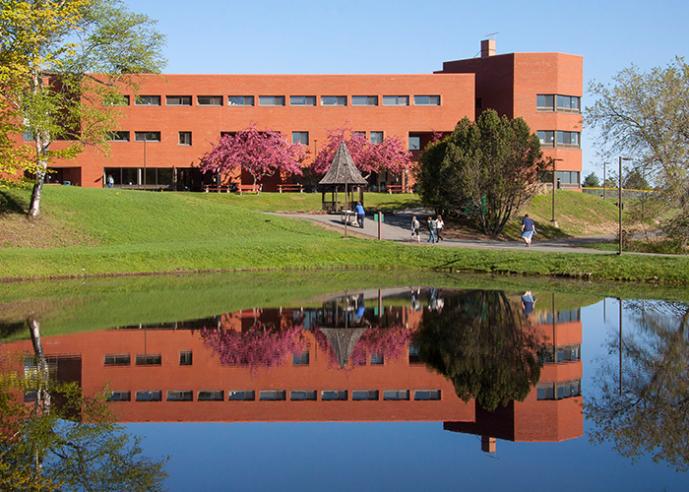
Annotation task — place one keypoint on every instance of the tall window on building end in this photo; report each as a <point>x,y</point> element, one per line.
<point>147,136</point>
<point>376,137</point>
<point>271,100</point>
<point>333,100</point>
<point>545,102</point>
<point>395,100</point>
<point>427,100</point>
<point>185,138</point>
<point>186,358</point>
<point>209,100</point>
<point>240,100</point>
<point>414,142</point>
<point>546,137</point>
<point>568,103</point>
<point>147,100</point>
<point>300,138</point>
<point>568,139</point>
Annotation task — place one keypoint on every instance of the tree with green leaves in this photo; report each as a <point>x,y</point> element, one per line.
<point>634,179</point>
<point>591,181</point>
<point>60,66</point>
<point>485,171</point>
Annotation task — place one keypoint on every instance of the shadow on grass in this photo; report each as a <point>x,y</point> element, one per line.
<point>11,204</point>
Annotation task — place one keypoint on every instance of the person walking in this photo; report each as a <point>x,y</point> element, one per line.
<point>415,226</point>
<point>432,229</point>
<point>528,230</point>
<point>360,214</point>
<point>110,181</point>
<point>439,227</point>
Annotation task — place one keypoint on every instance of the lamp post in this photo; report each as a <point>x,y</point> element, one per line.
<point>604,188</point>
<point>552,218</point>
<point>619,205</point>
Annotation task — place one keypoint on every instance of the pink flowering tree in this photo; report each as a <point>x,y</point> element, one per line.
<point>261,153</point>
<point>389,155</point>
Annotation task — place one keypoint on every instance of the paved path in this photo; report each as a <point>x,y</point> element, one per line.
<point>396,228</point>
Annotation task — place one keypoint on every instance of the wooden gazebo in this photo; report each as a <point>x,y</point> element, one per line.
<point>343,185</point>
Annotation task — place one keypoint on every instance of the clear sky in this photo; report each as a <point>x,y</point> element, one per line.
<point>358,36</point>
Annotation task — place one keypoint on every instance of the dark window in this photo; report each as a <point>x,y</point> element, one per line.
<point>211,395</point>
<point>568,389</point>
<point>118,100</point>
<point>30,396</point>
<point>377,359</point>
<point>427,395</point>
<point>376,137</point>
<point>414,355</point>
<point>117,360</point>
<point>120,396</point>
<point>545,102</point>
<point>302,100</point>
<point>130,175</point>
<point>240,100</point>
<point>364,100</point>
<point>185,138</point>
<point>185,358</point>
<point>271,100</point>
<point>209,100</point>
<point>359,133</point>
<point>149,360</point>
<point>569,103</point>
<point>568,139</point>
<point>178,100</point>
<point>241,395</point>
<point>545,391</point>
<point>147,136</point>
<point>333,100</point>
<point>303,395</point>
<point>547,137</point>
<point>149,395</point>
<point>364,395</point>
<point>396,395</point>
<point>147,100</point>
<point>174,395</point>
<point>427,100</point>
<point>333,395</point>
<point>300,138</point>
<point>272,395</point>
<point>414,142</point>
<point>301,359</point>
<point>395,100</point>
<point>122,136</point>
<point>569,353</point>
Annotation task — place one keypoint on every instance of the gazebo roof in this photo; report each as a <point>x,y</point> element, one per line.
<point>342,170</point>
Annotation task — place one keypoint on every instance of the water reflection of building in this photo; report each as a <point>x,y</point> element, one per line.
<point>172,373</point>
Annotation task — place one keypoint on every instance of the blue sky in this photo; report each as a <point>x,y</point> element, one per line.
<point>357,36</point>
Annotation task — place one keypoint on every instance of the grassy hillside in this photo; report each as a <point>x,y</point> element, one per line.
<point>116,231</point>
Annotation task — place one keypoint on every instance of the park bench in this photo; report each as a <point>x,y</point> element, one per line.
<point>394,188</point>
<point>216,188</point>
<point>291,187</point>
<point>249,188</point>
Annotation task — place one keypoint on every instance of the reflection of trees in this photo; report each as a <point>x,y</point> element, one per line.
<point>64,440</point>
<point>390,343</point>
<point>480,342</point>
<point>260,345</point>
<point>650,413</point>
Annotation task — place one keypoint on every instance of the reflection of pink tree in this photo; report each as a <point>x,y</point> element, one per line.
<point>257,346</point>
<point>387,342</point>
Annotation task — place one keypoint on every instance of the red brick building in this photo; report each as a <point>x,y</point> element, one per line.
<point>172,120</point>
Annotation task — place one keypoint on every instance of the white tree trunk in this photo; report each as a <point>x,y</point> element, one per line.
<point>42,141</point>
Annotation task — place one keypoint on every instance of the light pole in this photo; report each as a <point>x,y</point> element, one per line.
<point>552,218</point>
<point>619,205</point>
<point>604,188</point>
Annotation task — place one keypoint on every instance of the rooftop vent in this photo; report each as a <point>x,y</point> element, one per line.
<point>487,48</point>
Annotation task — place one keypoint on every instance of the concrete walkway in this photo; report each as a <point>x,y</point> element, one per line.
<point>396,228</point>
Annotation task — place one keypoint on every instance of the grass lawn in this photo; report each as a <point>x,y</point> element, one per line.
<point>120,232</point>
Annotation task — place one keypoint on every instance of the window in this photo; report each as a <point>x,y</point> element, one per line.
<point>300,138</point>
<point>147,100</point>
<point>271,100</point>
<point>570,178</point>
<point>30,396</point>
<point>364,395</point>
<point>395,100</point>
<point>118,100</point>
<point>558,391</point>
<point>427,395</point>
<point>240,100</point>
<point>414,354</point>
<point>117,360</point>
<point>185,138</point>
<point>567,139</point>
<point>28,135</point>
<point>302,100</point>
<point>364,100</point>
<point>376,137</point>
<point>569,353</point>
<point>547,137</point>
<point>186,395</point>
<point>149,360</point>
<point>211,395</point>
<point>397,395</point>
<point>359,133</point>
<point>120,396</point>
<point>333,395</point>
<point>149,395</point>
<point>545,102</point>
<point>569,103</point>
<point>303,395</point>
<point>272,395</point>
<point>122,136</point>
<point>178,100</point>
<point>377,359</point>
<point>414,142</point>
<point>427,100</point>
<point>147,136</point>
<point>185,358</point>
<point>333,100</point>
<point>209,100</point>
<point>241,395</point>
<point>301,359</point>
<point>545,391</point>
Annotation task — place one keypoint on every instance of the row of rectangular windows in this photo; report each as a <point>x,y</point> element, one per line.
<point>248,101</point>
<point>558,102</point>
<point>277,395</point>
<point>558,138</point>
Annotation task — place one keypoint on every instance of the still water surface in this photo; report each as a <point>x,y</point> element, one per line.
<point>407,388</point>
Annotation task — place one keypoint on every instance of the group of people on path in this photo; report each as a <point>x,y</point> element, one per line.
<point>434,224</point>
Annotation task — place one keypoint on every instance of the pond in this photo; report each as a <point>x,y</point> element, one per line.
<point>360,381</point>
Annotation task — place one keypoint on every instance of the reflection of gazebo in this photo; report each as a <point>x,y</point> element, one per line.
<point>342,176</point>
<point>342,342</point>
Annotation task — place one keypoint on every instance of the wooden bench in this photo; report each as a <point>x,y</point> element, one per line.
<point>216,188</point>
<point>249,188</point>
<point>291,187</point>
<point>394,188</point>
